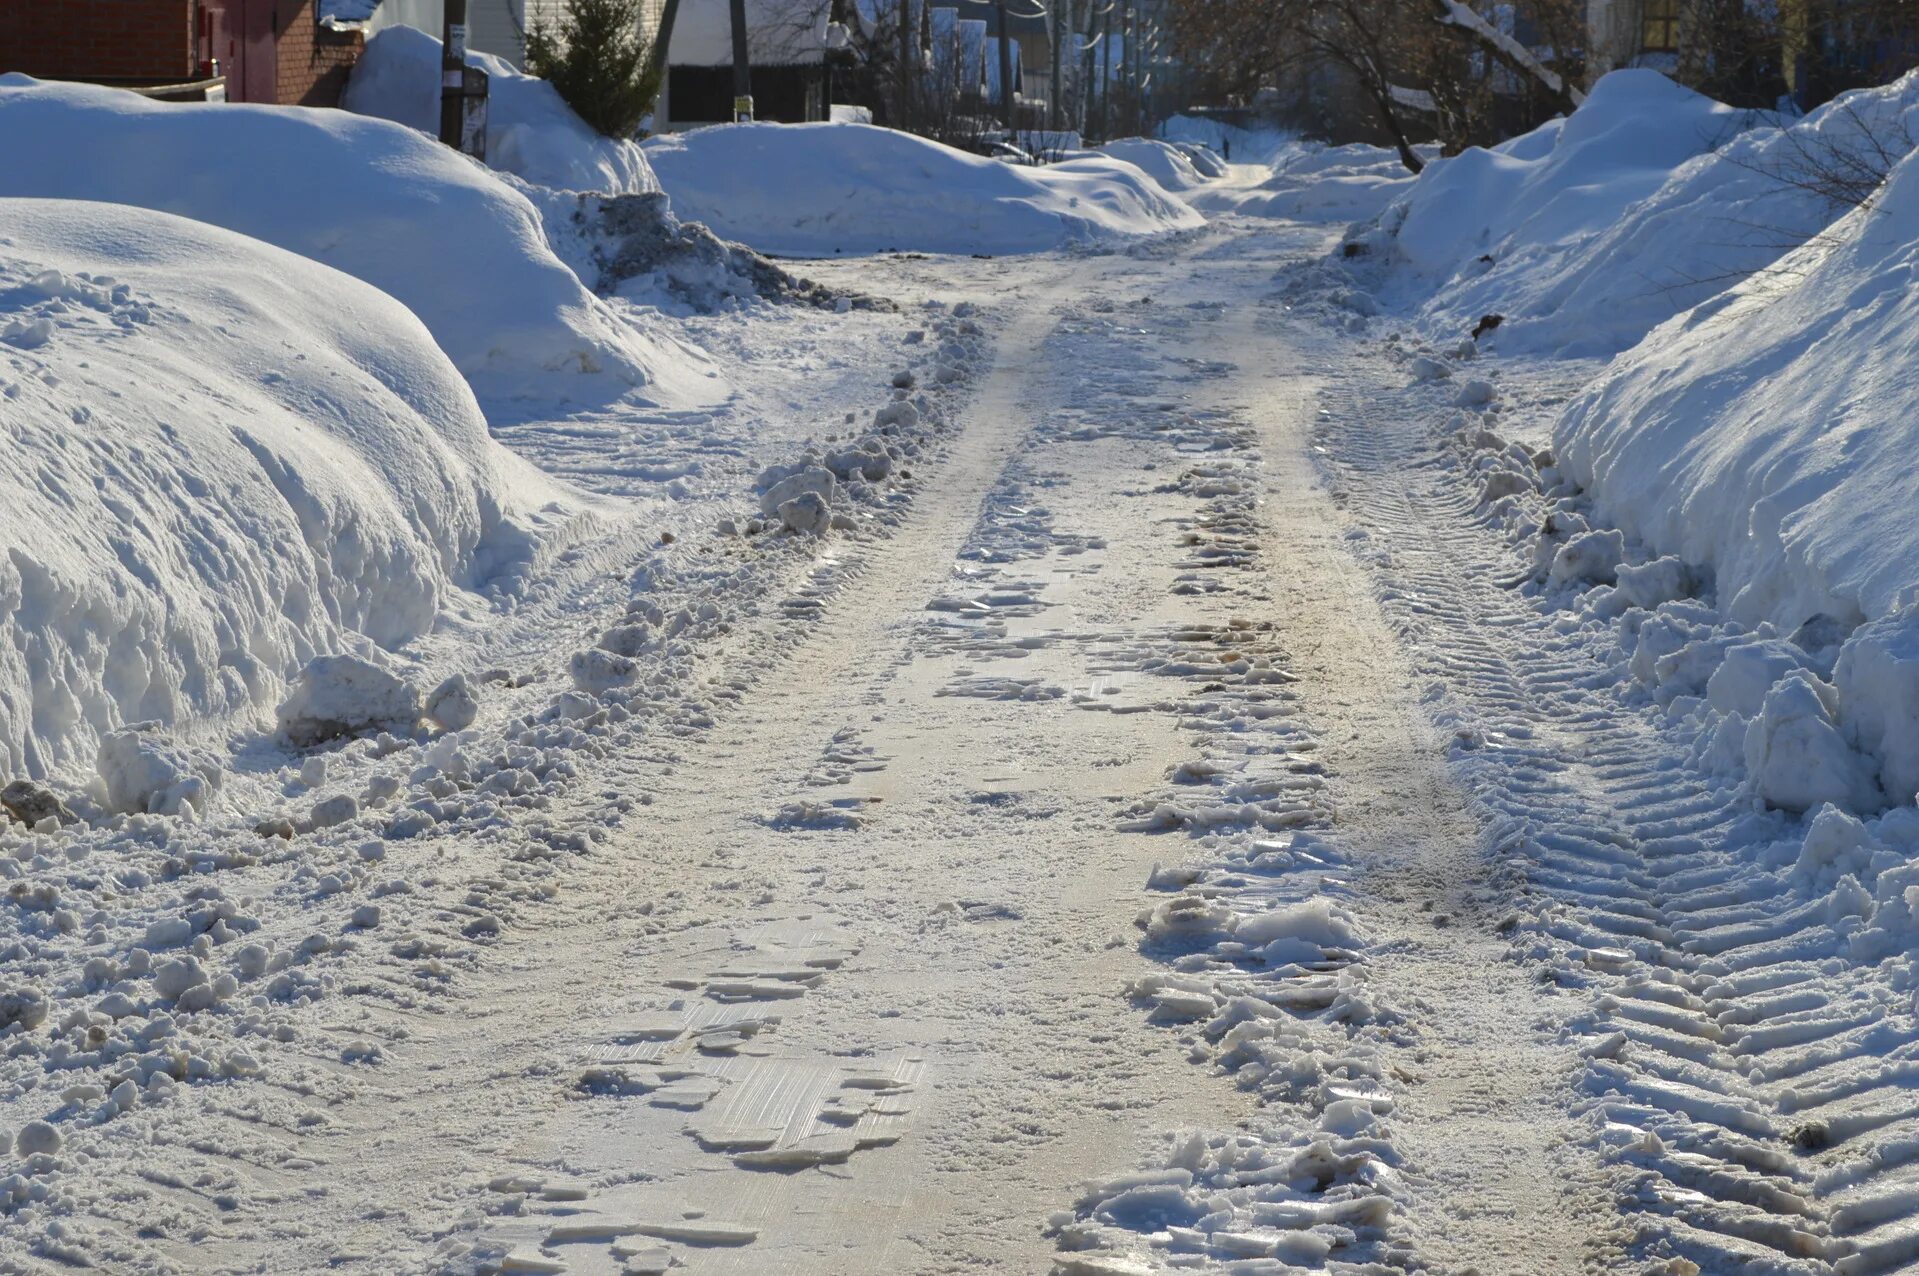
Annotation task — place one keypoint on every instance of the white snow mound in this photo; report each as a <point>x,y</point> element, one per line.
<point>1161,161</point>
<point>1597,283</point>
<point>1769,433</point>
<point>1513,230</point>
<point>812,190</point>
<point>226,459</point>
<point>456,244</point>
<point>530,130</point>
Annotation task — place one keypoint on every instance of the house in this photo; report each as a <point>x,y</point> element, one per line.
<point>273,51</point>
<point>1625,33</point>
<point>786,46</point>
<point>497,27</point>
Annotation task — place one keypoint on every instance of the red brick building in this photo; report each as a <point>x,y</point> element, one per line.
<point>274,51</point>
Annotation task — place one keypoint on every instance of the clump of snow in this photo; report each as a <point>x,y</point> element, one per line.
<point>456,244</point>
<point>454,704</point>
<point>1161,161</point>
<point>813,190</point>
<point>238,456</point>
<point>1796,757</point>
<point>337,696</point>
<point>1877,680</point>
<point>530,130</point>
<point>144,770</point>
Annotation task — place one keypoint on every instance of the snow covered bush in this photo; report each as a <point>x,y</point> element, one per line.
<point>233,458</point>
<point>811,190</point>
<point>531,132</point>
<point>456,244</point>
<point>600,61</point>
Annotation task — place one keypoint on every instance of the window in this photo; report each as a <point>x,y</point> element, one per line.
<point>1659,29</point>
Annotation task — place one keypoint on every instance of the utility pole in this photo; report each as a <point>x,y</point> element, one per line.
<point>462,88</point>
<point>1106,73</point>
<point>1005,69</point>
<point>1055,36</point>
<point>742,67</point>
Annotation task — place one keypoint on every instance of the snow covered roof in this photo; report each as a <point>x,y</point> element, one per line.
<point>779,33</point>
<point>346,13</point>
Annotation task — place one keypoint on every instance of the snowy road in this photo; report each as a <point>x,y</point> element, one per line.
<point>1176,845</point>
<point>850,991</point>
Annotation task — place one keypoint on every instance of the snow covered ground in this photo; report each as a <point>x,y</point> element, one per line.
<point>1186,757</point>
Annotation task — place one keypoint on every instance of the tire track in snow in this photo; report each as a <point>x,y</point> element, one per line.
<point>1724,1076</point>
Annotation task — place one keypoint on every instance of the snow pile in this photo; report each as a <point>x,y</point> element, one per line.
<point>1584,235</point>
<point>818,189</point>
<point>461,248</point>
<point>229,459</point>
<point>1161,161</point>
<point>1310,182</point>
<point>1230,142</point>
<point>530,131</point>
<point>1495,231</point>
<point>1764,438</point>
<point>1768,434</point>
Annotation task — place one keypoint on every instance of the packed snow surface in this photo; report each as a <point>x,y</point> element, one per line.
<point>459,246</point>
<point>1306,181</point>
<point>813,190</point>
<point>530,130</point>
<point>231,459</point>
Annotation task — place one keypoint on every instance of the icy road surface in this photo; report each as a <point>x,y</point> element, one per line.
<point>1176,846</point>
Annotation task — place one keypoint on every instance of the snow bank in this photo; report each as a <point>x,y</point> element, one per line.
<point>1161,161</point>
<point>228,459</point>
<point>808,190</point>
<point>530,130</point>
<point>1507,230</point>
<point>460,247</point>
<point>1587,234</point>
<point>1768,434</point>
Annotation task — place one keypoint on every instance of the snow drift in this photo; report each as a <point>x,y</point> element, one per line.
<point>1587,234</point>
<point>1161,161</point>
<point>1767,437</point>
<point>460,247</point>
<point>228,459</point>
<point>1507,230</point>
<point>1768,433</point>
<point>810,190</point>
<point>530,130</point>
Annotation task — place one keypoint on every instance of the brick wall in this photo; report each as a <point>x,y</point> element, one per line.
<point>314,61</point>
<point>98,39</point>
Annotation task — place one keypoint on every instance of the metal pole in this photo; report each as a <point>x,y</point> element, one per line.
<point>462,88</point>
<point>1005,68</point>
<point>1055,32</point>
<point>452,72</point>
<point>742,67</point>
